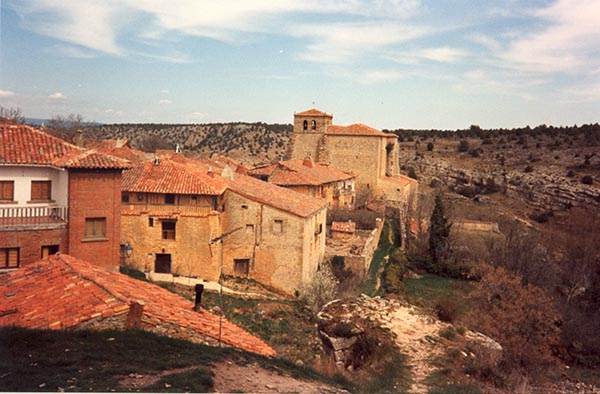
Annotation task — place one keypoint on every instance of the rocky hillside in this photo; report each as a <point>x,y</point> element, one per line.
<point>549,169</point>
<point>248,142</point>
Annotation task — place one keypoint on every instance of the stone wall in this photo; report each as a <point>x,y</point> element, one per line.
<point>190,252</point>
<point>280,259</point>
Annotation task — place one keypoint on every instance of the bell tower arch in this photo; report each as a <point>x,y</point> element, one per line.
<point>308,140</point>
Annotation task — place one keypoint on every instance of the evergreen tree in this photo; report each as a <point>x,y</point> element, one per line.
<point>439,231</point>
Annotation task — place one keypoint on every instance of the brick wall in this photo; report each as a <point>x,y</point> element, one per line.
<point>30,242</point>
<point>95,194</point>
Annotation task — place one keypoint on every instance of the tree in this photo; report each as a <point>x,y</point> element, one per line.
<point>430,146</point>
<point>439,232</point>
<point>12,114</point>
<point>65,127</point>
<point>463,146</point>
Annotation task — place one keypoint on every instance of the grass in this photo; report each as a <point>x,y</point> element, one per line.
<point>428,290</point>
<point>284,324</point>
<point>46,360</point>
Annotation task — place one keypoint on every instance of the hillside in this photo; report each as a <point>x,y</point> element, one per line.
<point>247,142</point>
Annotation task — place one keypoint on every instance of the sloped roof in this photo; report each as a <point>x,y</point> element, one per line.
<point>176,175</point>
<point>344,227</point>
<point>275,196</point>
<point>26,145</point>
<point>301,172</point>
<point>314,112</point>
<point>118,148</point>
<point>358,129</point>
<point>62,292</point>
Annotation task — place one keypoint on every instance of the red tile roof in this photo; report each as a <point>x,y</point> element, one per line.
<point>25,145</point>
<point>174,174</point>
<point>301,172</point>
<point>401,180</point>
<point>314,112</point>
<point>357,129</point>
<point>118,148</point>
<point>344,227</point>
<point>277,197</point>
<point>62,292</point>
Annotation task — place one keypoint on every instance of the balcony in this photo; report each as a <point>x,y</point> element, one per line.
<point>33,218</point>
<point>166,210</point>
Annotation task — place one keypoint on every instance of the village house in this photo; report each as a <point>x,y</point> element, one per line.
<point>312,179</point>
<point>55,196</point>
<point>367,152</point>
<point>186,217</point>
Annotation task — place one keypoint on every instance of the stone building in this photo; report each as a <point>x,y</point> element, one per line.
<point>313,179</point>
<point>192,218</point>
<point>370,154</point>
<point>55,197</point>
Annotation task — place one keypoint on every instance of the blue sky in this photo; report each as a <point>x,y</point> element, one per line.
<point>386,63</point>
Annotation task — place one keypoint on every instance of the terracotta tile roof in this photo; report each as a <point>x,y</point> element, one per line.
<point>357,129</point>
<point>313,112</point>
<point>23,145</point>
<point>344,227</point>
<point>118,148</point>
<point>301,172</point>
<point>278,197</point>
<point>401,180</point>
<point>175,174</point>
<point>63,292</point>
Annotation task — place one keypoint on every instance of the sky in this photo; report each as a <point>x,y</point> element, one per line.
<point>385,63</point>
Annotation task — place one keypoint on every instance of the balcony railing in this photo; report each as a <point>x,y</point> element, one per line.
<point>158,209</point>
<point>48,216</point>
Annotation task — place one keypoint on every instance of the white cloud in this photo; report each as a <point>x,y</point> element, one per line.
<point>165,102</point>
<point>70,51</point>
<point>57,96</point>
<point>443,54</point>
<point>569,44</point>
<point>6,93</point>
<point>341,42</point>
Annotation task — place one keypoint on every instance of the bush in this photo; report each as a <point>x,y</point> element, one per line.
<point>321,290</point>
<point>446,310</point>
<point>463,146</point>
<point>393,273</point>
<point>587,180</point>
<point>474,153</point>
<point>412,173</point>
<point>570,174</point>
<point>430,146</point>
<point>528,169</point>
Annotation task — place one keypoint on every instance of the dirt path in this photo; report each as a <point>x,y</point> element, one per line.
<point>252,378</point>
<point>416,336</point>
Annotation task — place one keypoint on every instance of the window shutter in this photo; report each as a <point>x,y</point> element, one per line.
<point>13,258</point>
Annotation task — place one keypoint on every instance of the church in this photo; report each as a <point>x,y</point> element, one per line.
<point>368,153</point>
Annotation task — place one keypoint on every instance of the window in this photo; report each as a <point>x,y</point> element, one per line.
<point>7,189</point>
<point>95,227</point>
<point>305,125</point>
<point>48,250</point>
<point>250,228</point>
<point>278,226</point>
<point>125,197</point>
<point>169,199</point>
<point>168,229</point>
<point>150,222</point>
<point>319,229</point>
<point>313,124</point>
<point>241,267</point>
<point>9,257</point>
<point>162,264</point>
<point>140,197</point>
<point>41,190</point>
<point>244,206</point>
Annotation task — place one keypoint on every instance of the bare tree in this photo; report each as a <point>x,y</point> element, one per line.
<point>65,127</point>
<point>12,114</point>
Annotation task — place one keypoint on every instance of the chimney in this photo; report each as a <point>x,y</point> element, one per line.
<point>199,288</point>
<point>307,162</point>
<point>156,161</point>
<point>210,171</point>
<point>78,138</point>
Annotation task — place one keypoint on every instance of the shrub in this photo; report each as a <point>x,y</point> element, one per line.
<point>587,180</point>
<point>446,310</point>
<point>393,273</point>
<point>463,146</point>
<point>412,173</point>
<point>474,153</point>
<point>570,174</point>
<point>528,169</point>
<point>321,290</point>
<point>430,146</point>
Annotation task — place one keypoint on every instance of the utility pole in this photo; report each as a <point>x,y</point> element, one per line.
<point>221,238</point>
